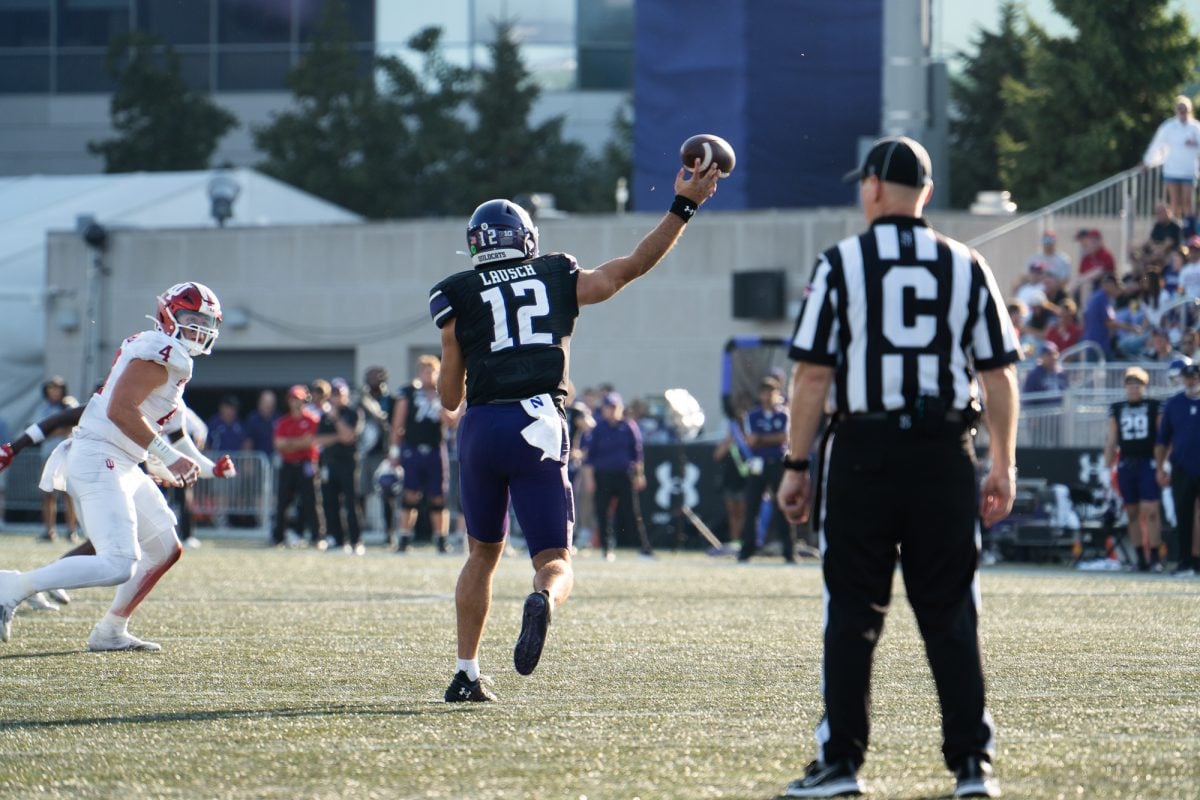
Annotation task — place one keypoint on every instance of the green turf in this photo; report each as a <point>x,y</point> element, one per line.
<point>290,674</point>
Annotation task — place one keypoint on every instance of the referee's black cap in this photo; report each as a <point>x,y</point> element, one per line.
<point>895,159</point>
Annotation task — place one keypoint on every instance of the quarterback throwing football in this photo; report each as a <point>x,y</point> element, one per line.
<point>124,513</point>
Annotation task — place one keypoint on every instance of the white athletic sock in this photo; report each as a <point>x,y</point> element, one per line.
<point>118,624</point>
<point>469,666</point>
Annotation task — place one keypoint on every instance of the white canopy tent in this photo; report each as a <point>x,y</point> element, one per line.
<point>32,206</point>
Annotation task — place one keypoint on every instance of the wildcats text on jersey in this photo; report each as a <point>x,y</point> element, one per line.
<point>494,276</point>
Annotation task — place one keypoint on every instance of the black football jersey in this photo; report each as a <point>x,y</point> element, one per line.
<point>514,325</point>
<point>423,422</point>
<point>1137,427</point>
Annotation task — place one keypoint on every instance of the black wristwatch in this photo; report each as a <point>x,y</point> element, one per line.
<point>800,465</point>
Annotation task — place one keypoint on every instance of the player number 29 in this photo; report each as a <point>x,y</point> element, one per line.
<point>526,313</point>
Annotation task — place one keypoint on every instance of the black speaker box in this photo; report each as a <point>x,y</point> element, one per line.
<point>759,294</point>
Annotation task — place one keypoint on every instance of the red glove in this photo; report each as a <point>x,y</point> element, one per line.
<point>6,455</point>
<point>224,467</point>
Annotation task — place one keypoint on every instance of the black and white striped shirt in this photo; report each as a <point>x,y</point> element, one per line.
<point>901,311</point>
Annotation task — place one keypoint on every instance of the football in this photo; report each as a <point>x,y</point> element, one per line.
<point>708,148</point>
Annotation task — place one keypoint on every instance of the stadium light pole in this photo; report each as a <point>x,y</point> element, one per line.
<point>95,236</point>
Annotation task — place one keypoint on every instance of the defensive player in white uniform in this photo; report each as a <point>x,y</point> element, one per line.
<point>125,515</point>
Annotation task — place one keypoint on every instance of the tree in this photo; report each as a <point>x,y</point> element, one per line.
<point>1089,103</point>
<point>161,124</point>
<point>436,141</point>
<point>977,95</point>
<point>509,156</point>
<point>386,150</point>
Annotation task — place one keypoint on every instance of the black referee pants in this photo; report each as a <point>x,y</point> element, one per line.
<point>298,480</point>
<point>1185,489</point>
<point>617,504</point>
<point>890,492</point>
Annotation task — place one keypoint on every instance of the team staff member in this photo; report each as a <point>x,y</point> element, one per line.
<point>1179,443</point>
<point>337,437</point>
<point>1132,430</point>
<point>295,441</point>
<point>900,321</point>
<point>615,473</point>
<point>766,434</point>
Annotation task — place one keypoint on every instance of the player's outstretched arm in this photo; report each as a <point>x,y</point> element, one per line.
<point>36,433</point>
<point>599,284</point>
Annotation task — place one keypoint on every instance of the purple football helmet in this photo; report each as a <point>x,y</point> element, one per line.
<point>500,230</point>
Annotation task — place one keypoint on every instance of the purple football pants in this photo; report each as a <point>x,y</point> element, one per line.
<point>496,464</point>
<point>425,469</point>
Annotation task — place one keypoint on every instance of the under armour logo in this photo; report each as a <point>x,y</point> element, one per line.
<point>905,422</point>
<point>108,462</point>
<point>1091,468</point>
<point>906,238</point>
<point>670,484</point>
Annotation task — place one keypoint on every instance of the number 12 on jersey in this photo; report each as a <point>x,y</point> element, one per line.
<point>526,312</point>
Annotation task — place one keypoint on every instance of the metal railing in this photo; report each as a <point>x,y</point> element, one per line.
<point>246,498</point>
<point>1125,196</point>
<point>1078,417</point>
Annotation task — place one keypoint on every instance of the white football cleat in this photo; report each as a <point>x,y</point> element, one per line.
<point>104,639</point>
<point>59,596</point>
<point>6,615</point>
<point>10,598</point>
<point>10,587</point>
<point>38,602</point>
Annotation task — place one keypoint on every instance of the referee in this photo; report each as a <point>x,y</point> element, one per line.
<point>899,321</point>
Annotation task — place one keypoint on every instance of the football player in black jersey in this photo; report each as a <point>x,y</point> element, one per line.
<point>419,445</point>
<point>1132,431</point>
<point>506,330</point>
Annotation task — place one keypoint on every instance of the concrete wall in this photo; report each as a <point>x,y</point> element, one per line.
<point>364,287</point>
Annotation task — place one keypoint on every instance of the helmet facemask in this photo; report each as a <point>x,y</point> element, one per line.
<point>191,314</point>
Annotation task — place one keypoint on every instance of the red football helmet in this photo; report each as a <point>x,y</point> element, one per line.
<point>191,307</point>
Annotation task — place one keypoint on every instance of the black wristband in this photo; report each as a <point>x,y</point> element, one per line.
<point>683,208</point>
<point>798,466</point>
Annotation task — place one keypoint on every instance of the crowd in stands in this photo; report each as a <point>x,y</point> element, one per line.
<point>1098,311</point>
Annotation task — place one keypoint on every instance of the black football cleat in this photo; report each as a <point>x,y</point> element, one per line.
<point>464,690</point>
<point>535,622</point>
<point>838,779</point>
<point>974,778</point>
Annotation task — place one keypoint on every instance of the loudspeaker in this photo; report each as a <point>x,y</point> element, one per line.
<point>759,294</point>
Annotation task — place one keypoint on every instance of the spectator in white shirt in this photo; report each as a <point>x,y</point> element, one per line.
<point>1175,146</point>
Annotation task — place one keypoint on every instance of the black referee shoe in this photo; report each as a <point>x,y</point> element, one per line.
<point>535,622</point>
<point>975,779</point>
<point>464,690</point>
<point>839,779</point>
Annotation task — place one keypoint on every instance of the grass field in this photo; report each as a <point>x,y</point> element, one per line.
<point>296,674</point>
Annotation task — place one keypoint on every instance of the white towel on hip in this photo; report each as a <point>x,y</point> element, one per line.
<point>54,471</point>
<point>545,432</point>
